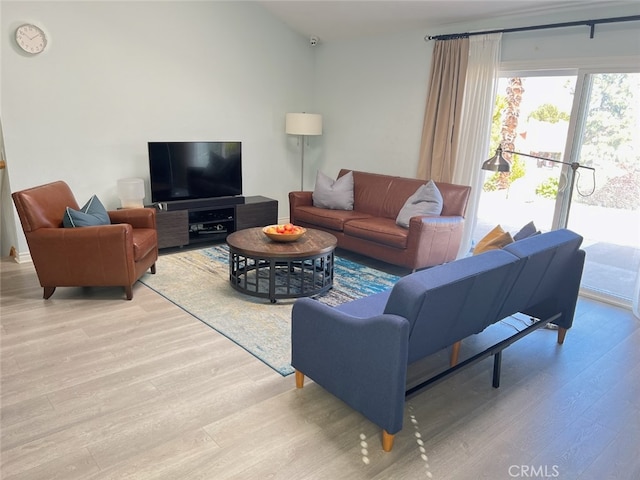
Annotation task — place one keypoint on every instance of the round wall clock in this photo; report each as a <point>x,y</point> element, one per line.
<point>31,38</point>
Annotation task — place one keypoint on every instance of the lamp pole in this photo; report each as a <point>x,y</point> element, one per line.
<point>498,163</point>
<point>302,164</point>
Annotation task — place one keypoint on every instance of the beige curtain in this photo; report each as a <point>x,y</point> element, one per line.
<point>440,131</point>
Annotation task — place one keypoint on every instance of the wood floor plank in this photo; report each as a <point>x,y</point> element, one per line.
<point>23,411</point>
<point>96,387</point>
<point>76,465</point>
<point>619,460</point>
<point>164,461</point>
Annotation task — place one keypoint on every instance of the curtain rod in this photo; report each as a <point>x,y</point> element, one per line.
<point>590,23</point>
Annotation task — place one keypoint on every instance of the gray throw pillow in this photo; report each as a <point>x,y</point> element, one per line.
<point>426,201</point>
<point>527,231</point>
<point>93,213</point>
<point>333,194</point>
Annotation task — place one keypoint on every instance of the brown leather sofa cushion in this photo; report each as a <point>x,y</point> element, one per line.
<point>323,217</point>
<point>400,190</point>
<point>383,196</point>
<point>369,192</point>
<point>379,230</point>
<point>455,198</point>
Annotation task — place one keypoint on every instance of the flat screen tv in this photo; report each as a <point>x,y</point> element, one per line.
<point>194,170</point>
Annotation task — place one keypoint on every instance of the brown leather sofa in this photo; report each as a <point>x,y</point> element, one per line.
<point>370,228</point>
<point>105,255</point>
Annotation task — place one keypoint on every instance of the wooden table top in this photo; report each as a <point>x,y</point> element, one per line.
<point>252,242</point>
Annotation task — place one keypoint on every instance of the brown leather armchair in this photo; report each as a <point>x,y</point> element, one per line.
<point>105,255</point>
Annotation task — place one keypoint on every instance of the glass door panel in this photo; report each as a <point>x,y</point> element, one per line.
<point>608,216</point>
<point>531,116</point>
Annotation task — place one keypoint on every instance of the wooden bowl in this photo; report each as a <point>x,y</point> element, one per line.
<point>270,232</point>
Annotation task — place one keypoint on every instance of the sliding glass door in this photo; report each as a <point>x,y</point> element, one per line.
<point>592,118</point>
<point>607,137</point>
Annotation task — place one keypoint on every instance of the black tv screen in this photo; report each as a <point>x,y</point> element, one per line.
<point>194,170</point>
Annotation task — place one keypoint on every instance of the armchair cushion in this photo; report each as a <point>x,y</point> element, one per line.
<point>144,242</point>
<point>91,214</point>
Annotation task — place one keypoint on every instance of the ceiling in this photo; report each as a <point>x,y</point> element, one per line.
<point>342,19</point>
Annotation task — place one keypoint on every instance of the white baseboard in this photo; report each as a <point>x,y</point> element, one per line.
<point>23,257</point>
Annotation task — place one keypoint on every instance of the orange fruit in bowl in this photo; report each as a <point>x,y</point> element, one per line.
<point>284,232</point>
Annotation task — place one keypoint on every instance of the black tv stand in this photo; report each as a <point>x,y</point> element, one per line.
<point>199,203</point>
<point>187,222</point>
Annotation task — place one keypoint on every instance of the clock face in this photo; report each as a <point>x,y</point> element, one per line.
<point>31,39</point>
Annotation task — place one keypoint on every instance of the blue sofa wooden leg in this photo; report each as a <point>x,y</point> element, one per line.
<point>455,350</point>
<point>299,379</point>
<point>562,332</point>
<point>387,441</point>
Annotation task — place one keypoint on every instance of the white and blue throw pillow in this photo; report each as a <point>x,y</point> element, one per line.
<point>93,213</point>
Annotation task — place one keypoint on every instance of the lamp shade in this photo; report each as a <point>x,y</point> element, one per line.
<point>131,192</point>
<point>303,124</point>
<point>497,163</point>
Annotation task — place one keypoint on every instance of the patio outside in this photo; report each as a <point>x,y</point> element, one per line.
<point>613,254</point>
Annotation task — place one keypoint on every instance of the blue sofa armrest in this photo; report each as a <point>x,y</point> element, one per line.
<point>362,361</point>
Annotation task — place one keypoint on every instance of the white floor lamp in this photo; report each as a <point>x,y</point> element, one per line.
<point>303,124</point>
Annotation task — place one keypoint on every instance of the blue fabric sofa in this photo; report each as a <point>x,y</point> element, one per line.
<point>359,351</point>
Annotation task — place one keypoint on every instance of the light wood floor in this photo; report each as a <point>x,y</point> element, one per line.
<point>97,387</point>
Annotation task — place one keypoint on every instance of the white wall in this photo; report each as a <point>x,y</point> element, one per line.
<point>372,93</point>
<point>116,75</point>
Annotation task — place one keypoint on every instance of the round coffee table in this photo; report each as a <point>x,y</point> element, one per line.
<point>263,268</point>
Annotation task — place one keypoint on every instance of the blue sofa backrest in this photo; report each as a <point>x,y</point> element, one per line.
<point>550,275</point>
<point>538,275</point>
<point>449,302</point>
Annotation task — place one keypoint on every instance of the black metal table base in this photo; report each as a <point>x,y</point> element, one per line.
<point>276,278</point>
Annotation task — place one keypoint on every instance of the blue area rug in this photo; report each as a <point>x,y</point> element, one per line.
<point>198,282</point>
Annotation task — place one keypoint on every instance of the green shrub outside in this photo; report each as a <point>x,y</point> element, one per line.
<point>548,188</point>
